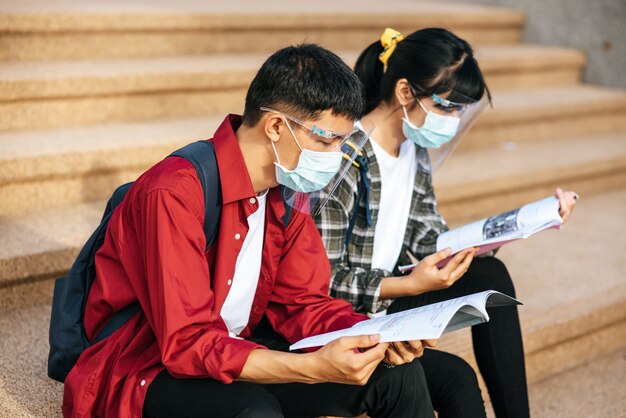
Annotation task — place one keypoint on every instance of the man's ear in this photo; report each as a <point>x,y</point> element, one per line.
<point>404,93</point>
<point>273,125</point>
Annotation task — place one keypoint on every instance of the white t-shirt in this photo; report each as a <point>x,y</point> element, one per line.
<point>397,180</point>
<point>236,309</point>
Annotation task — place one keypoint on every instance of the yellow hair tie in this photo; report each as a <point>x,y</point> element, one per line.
<point>389,40</point>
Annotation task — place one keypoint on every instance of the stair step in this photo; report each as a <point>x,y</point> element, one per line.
<point>50,168</point>
<point>566,321</point>
<point>39,30</point>
<point>44,244</point>
<point>66,93</point>
<point>571,283</point>
<point>594,389</point>
<point>546,113</point>
<point>479,183</point>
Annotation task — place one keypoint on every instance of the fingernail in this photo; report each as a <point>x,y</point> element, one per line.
<point>375,338</point>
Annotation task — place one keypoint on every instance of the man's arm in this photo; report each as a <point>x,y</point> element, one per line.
<point>349,360</point>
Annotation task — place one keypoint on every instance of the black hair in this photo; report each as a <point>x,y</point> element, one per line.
<point>303,81</point>
<point>433,60</point>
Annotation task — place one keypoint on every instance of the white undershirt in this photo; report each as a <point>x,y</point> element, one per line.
<point>236,309</point>
<point>397,180</point>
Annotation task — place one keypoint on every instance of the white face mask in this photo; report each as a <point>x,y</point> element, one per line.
<point>314,169</point>
<point>436,131</point>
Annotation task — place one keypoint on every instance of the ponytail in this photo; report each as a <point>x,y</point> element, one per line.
<point>370,71</point>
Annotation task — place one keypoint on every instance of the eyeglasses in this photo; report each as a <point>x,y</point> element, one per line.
<point>316,130</point>
<point>445,104</point>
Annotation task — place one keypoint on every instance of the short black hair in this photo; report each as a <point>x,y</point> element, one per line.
<point>433,60</point>
<point>303,81</point>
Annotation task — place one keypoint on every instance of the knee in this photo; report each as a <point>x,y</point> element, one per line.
<point>408,381</point>
<point>492,274</point>
<point>458,371</point>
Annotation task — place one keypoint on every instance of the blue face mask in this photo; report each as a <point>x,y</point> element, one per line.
<point>436,131</point>
<point>313,172</point>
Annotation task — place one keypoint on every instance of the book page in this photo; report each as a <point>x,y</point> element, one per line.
<point>539,215</point>
<point>514,224</point>
<point>426,322</point>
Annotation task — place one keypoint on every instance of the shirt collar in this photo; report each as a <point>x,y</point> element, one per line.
<point>236,183</point>
<point>234,176</point>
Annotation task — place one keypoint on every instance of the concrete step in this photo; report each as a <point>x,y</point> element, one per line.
<point>592,390</point>
<point>569,317</point>
<point>41,30</point>
<point>51,168</point>
<point>44,244</point>
<point>479,183</point>
<point>545,113</point>
<point>65,93</point>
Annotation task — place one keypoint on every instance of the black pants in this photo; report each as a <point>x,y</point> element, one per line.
<point>452,385</point>
<point>398,392</point>
<point>497,344</point>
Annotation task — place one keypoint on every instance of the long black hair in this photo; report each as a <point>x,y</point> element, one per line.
<point>433,60</point>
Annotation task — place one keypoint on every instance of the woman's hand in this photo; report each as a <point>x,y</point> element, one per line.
<point>426,276</point>
<point>567,201</point>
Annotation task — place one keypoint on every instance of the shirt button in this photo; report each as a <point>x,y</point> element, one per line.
<point>237,236</point>
<point>230,281</point>
<point>252,200</point>
<point>143,383</point>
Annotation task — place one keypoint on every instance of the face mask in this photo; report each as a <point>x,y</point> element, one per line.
<point>313,172</point>
<point>436,131</point>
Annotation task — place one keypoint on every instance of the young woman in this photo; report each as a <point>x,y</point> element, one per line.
<point>384,214</point>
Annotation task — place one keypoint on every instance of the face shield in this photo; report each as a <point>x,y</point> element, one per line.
<point>468,116</point>
<point>445,124</point>
<point>313,202</point>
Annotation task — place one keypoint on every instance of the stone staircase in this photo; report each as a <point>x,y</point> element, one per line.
<point>92,95</point>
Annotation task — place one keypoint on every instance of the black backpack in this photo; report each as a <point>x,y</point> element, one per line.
<point>67,332</point>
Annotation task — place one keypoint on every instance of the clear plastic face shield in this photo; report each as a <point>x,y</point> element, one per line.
<point>440,115</point>
<point>312,170</point>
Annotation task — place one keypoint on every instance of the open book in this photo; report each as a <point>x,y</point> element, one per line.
<point>494,232</point>
<point>425,322</point>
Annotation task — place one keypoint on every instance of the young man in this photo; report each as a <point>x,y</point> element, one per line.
<point>191,351</point>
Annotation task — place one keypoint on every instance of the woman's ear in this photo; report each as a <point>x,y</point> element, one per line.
<point>404,93</point>
<point>272,126</point>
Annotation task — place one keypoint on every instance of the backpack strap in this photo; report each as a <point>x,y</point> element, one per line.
<point>363,191</point>
<point>202,155</point>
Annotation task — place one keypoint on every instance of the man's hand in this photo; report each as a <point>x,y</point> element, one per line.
<point>567,201</point>
<point>349,360</point>
<point>426,276</point>
<point>406,351</point>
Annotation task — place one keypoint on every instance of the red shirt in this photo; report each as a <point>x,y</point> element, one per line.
<point>154,253</point>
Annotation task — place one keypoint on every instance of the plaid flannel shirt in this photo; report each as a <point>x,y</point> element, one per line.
<point>352,276</point>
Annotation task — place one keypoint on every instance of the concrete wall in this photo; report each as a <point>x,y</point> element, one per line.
<point>598,27</point>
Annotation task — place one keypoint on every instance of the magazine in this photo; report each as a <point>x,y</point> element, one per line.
<point>491,233</point>
<point>423,323</point>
